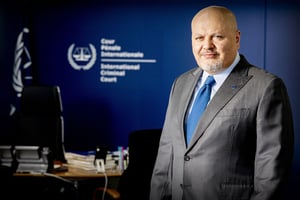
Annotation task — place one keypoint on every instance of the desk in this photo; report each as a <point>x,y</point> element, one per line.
<point>76,173</point>
<point>77,183</point>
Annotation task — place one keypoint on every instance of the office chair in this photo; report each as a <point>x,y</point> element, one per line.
<point>6,178</point>
<point>134,183</point>
<point>41,120</point>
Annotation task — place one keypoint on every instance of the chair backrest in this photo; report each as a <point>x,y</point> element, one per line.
<point>41,100</point>
<point>135,180</point>
<point>41,120</point>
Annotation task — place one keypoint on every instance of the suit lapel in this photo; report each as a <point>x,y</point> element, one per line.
<point>234,82</point>
<point>187,94</point>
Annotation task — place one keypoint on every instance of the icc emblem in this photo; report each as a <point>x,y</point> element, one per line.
<point>82,57</point>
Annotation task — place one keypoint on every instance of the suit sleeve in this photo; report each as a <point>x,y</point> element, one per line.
<point>161,177</point>
<point>274,142</point>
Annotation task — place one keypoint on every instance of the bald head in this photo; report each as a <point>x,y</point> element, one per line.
<point>218,13</point>
<point>215,38</point>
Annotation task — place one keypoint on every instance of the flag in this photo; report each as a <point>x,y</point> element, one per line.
<point>21,69</point>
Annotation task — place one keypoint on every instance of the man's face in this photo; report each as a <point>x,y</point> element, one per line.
<point>215,41</point>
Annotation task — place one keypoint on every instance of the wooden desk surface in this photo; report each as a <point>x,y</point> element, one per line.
<point>85,182</point>
<point>76,173</point>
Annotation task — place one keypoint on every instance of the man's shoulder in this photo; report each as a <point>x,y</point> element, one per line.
<point>261,73</point>
<point>257,71</point>
<point>191,72</point>
<point>187,77</point>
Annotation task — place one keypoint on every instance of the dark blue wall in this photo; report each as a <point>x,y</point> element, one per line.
<point>98,112</point>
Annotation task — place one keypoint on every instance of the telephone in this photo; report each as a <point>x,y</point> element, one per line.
<point>100,166</point>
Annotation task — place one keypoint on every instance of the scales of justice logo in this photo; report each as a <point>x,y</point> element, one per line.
<point>82,58</point>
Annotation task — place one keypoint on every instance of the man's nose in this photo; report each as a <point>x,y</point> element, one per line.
<point>208,43</point>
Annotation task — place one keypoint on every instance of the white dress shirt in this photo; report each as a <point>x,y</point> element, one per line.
<point>219,78</point>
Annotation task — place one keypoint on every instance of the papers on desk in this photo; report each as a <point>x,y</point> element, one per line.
<point>86,162</point>
<point>113,159</point>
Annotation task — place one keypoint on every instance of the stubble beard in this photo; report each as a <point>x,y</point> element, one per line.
<point>212,67</point>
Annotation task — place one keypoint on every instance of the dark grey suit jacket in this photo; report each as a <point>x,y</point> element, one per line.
<point>243,145</point>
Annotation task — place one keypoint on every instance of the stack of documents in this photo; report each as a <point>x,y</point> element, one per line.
<point>85,162</point>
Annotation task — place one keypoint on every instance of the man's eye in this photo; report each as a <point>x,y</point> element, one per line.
<point>199,38</point>
<point>219,37</point>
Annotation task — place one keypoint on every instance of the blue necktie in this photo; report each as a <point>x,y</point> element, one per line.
<point>198,107</point>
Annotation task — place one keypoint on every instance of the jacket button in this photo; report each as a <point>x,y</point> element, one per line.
<point>187,158</point>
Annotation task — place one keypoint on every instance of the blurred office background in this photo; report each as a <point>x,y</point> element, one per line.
<point>106,97</point>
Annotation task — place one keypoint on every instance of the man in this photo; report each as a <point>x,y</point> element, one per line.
<point>242,146</point>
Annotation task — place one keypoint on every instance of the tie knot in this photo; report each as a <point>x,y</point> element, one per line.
<point>210,81</point>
